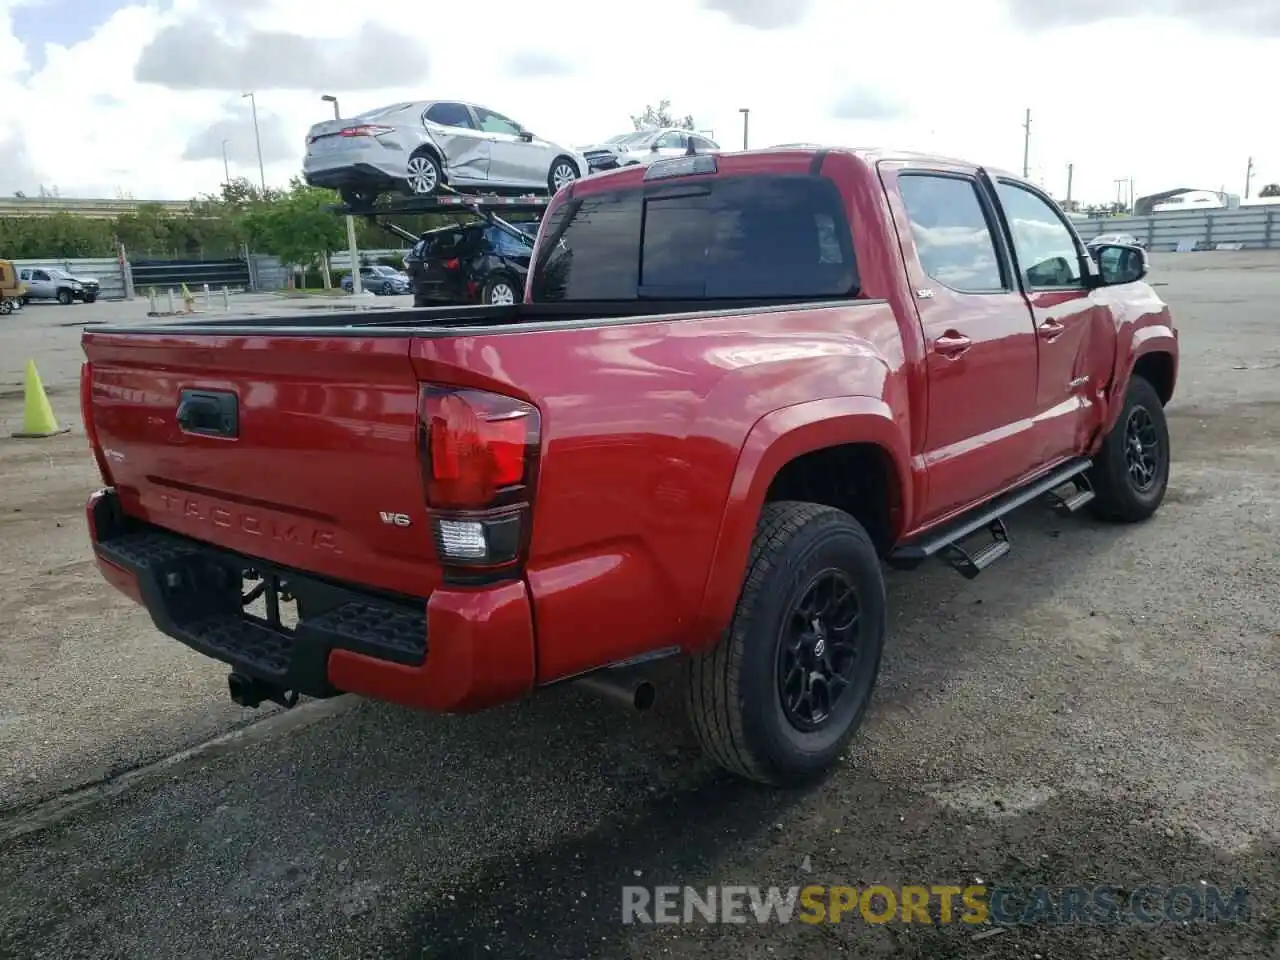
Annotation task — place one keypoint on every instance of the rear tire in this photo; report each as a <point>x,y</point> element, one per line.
<point>358,196</point>
<point>745,697</point>
<point>64,296</point>
<point>1130,474</point>
<point>498,291</point>
<point>424,175</point>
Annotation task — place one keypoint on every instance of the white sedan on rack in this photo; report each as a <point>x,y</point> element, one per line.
<point>645,146</point>
<point>429,146</point>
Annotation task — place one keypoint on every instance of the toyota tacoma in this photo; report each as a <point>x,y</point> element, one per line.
<point>738,387</point>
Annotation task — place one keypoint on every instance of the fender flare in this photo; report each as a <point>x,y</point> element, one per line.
<point>776,439</point>
<point>1145,341</point>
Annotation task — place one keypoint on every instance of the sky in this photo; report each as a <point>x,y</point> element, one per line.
<point>112,98</point>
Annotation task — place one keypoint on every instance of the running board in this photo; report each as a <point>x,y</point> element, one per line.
<point>944,542</point>
<point>1067,505</point>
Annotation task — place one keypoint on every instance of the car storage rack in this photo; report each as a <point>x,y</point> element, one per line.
<point>484,206</point>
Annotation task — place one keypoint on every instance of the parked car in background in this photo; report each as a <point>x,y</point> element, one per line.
<point>645,146</point>
<point>420,147</point>
<point>379,280</point>
<point>470,263</point>
<point>52,283</point>
<point>1109,239</point>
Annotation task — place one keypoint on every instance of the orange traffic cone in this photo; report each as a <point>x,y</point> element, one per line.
<point>37,415</point>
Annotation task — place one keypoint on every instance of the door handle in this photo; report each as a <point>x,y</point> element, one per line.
<point>1051,330</point>
<point>212,413</point>
<point>952,344</point>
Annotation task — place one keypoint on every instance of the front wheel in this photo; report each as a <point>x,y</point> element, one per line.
<point>783,691</point>
<point>65,297</point>
<point>90,298</point>
<point>563,172</point>
<point>1130,474</point>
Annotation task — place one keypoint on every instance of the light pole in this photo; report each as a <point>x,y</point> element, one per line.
<point>746,115</point>
<point>1026,146</point>
<point>257,138</point>
<point>356,287</point>
<point>226,167</point>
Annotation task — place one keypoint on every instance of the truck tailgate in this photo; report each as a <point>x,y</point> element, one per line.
<point>296,450</point>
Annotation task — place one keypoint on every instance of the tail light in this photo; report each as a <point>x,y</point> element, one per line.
<point>86,417</point>
<point>479,454</point>
<point>450,264</point>
<point>365,130</point>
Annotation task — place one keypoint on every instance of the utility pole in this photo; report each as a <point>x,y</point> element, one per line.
<point>226,167</point>
<point>262,174</point>
<point>1026,145</point>
<point>746,114</point>
<point>357,288</point>
<point>1071,169</point>
<point>1248,177</point>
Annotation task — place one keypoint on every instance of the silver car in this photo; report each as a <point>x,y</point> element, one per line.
<point>418,147</point>
<point>645,146</point>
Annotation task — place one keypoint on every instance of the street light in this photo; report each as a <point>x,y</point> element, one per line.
<point>226,167</point>
<point>746,114</point>
<point>357,288</point>
<point>262,174</point>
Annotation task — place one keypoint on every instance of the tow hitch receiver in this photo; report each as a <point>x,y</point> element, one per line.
<point>248,692</point>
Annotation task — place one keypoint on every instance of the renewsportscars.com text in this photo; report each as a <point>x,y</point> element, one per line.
<point>973,904</point>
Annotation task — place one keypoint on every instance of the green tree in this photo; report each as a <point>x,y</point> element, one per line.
<point>298,227</point>
<point>1270,190</point>
<point>660,116</point>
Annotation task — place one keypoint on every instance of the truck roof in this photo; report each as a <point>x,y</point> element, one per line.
<point>870,155</point>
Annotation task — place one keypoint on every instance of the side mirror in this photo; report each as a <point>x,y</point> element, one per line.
<point>1120,263</point>
<point>654,146</point>
<point>526,136</point>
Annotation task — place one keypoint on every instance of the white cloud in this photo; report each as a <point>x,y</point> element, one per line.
<point>1168,104</point>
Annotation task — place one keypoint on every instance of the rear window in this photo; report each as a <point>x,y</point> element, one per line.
<point>442,244</point>
<point>732,238</point>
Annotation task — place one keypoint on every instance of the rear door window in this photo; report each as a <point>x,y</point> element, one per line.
<point>446,244</point>
<point>450,115</point>
<point>767,237</point>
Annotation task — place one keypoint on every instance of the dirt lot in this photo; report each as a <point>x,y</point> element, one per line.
<point>1100,709</point>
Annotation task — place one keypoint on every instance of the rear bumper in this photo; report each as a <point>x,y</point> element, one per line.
<point>458,651</point>
<point>350,175</point>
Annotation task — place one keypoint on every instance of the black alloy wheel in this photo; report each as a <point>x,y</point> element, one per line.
<point>818,650</point>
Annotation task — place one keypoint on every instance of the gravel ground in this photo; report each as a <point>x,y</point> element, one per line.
<point>1098,709</point>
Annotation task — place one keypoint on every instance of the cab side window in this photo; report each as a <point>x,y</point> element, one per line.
<point>952,233</point>
<point>1046,250</point>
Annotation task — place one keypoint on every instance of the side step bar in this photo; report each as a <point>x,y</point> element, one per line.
<point>944,542</point>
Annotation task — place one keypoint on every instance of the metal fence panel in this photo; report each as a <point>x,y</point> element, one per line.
<point>267,273</point>
<point>107,270</point>
<point>171,274</point>
<point>1253,228</point>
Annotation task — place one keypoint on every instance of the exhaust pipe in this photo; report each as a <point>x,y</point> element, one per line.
<point>621,686</point>
<point>248,692</point>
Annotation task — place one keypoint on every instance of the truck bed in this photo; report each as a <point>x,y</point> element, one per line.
<point>450,321</point>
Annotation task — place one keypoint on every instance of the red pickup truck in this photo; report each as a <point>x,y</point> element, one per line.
<point>738,385</point>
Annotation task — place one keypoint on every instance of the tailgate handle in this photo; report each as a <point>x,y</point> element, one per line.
<point>209,412</point>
